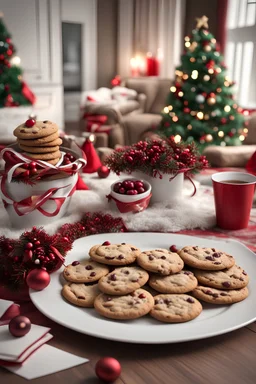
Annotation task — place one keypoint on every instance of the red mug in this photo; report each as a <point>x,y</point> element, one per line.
<point>233,196</point>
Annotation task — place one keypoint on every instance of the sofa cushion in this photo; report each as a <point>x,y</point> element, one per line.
<point>161,97</point>
<point>147,86</point>
<point>229,156</point>
<point>135,125</point>
<point>128,106</point>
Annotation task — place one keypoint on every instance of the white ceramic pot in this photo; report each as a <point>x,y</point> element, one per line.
<point>20,191</point>
<point>163,189</point>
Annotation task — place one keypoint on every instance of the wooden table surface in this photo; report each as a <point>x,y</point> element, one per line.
<point>229,358</point>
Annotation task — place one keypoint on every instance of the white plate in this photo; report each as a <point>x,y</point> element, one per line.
<point>214,319</point>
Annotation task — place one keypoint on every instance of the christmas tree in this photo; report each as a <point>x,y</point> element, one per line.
<point>13,90</point>
<point>200,105</point>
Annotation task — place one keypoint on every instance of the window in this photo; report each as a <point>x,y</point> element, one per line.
<point>241,49</point>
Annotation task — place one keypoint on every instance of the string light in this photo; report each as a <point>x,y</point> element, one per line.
<point>219,90</point>
<point>200,115</point>
<point>187,38</point>
<point>231,117</point>
<point>192,113</point>
<point>223,144</point>
<point>245,130</point>
<point>175,119</point>
<point>226,83</point>
<point>227,108</point>
<point>206,77</point>
<point>189,127</point>
<point>173,89</point>
<point>206,117</point>
<point>218,70</point>
<point>194,74</point>
<point>213,40</point>
<point>216,54</point>
<point>177,138</point>
<point>172,114</point>
<point>241,137</point>
<point>208,137</point>
<point>185,77</point>
<point>211,71</point>
<point>187,44</point>
<point>234,106</point>
<point>166,109</point>
<point>215,129</point>
<point>221,134</point>
<point>178,73</point>
<point>204,57</point>
<point>170,107</point>
<point>180,94</point>
<point>192,59</point>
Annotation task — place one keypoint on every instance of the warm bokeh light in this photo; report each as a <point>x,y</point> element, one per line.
<point>177,138</point>
<point>200,115</point>
<point>221,134</point>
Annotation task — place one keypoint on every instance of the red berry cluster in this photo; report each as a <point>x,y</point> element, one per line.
<point>130,187</point>
<point>35,252</point>
<point>155,156</point>
<point>31,170</point>
<point>68,159</point>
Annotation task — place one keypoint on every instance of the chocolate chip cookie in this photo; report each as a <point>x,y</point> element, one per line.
<point>160,261</point>
<point>218,296</point>
<point>232,278</point>
<point>123,280</point>
<point>114,254</point>
<point>127,307</point>
<point>81,295</point>
<point>175,308</point>
<point>85,271</point>
<point>206,258</point>
<point>181,282</point>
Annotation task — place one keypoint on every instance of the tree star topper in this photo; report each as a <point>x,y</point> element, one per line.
<point>202,22</point>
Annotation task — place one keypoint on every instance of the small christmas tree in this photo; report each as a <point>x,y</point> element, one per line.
<point>13,90</point>
<point>200,106</point>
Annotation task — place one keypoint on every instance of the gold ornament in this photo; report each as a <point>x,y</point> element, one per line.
<point>211,101</point>
<point>202,22</point>
<point>192,46</point>
<point>207,48</point>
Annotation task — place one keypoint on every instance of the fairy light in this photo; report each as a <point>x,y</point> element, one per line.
<point>246,113</point>
<point>218,70</point>
<point>226,83</point>
<point>215,129</point>
<point>178,73</point>
<point>227,108</point>
<point>211,71</point>
<point>173,89</point>
<point>213,40</point>
<point>206,117</point>
<point>245,130</point>
<point>241,137</point>
<point>231,117</point>
<point>221,134</point>
<point>187,44</point>
<point>234,106</point>
<point>223,144</point>
<point>166,109</point>
<point>204,57</point>
<point>206,77</point>
<point>208,137</point>
<point>192,59</point>
<point>216,54</point>
<point>189,127</point>
<point>172,114</point>
<point>180,94</point>
<point>170,107</point>
<point>219,90</point>
<point>177,138</point>
<point>200,115</point>
<point>187,38</point>
<point>193,113</point>
<point>185,77</point>
<point>194,74</point>
<point>175,119</point>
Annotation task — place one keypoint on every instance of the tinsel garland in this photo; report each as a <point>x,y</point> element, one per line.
<point>37,249</point>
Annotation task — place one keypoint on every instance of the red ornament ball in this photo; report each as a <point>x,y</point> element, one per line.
<point>38,279</point>
<point>108,369</point>
<point>19,326</point>
<point>103,172</point>
<point>30,123</point>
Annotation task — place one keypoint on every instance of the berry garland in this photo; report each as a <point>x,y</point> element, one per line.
<point>37,249</point>
<point>154,157</point>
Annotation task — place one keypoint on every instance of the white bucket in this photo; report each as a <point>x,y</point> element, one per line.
<point>43,214</point>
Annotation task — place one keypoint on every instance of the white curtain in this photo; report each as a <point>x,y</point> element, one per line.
<point>154,26</point>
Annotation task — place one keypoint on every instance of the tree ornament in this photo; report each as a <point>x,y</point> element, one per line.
<point>223,120</point>
<point>202,22</point>
<point>19,326</point>
<point>30,123</point>
<point>192,46</point>
<point>108,369</point>
<point>103,172</point>
<point>38,279</point>
<point>200,99</point>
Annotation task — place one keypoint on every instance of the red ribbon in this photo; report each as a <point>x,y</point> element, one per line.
<point>134,206</point>
<point>31,203</point>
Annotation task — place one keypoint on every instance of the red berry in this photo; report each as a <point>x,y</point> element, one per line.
<point>30,123</point>
<point>138,184</point>
<point>121,190</point>
<point>29,245</point>
<point>131,192</point>
<point>173,248</point>
<point>26,174</point>
<point>141,190</point>
<point>117,186</point>
<point>128,184</point>
<point>33,164</point>
<point>106,243</point>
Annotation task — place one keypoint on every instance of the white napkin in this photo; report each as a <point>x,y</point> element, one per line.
<point>7,310</point>
<point>45,361</point>
<point>12,347</point>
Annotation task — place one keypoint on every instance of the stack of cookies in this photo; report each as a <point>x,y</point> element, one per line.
<point>39,140</point>
<point>221,280</point>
